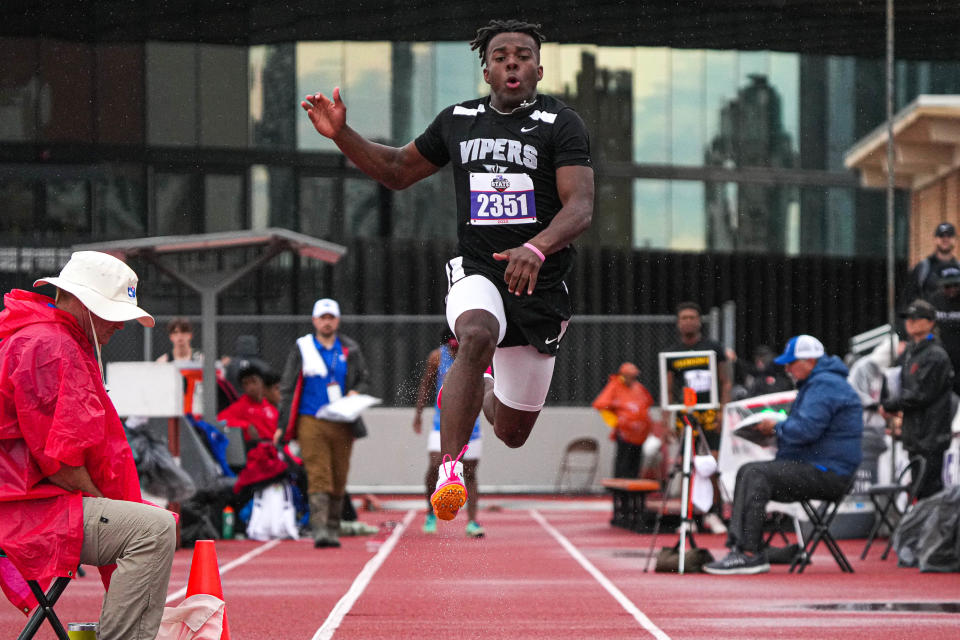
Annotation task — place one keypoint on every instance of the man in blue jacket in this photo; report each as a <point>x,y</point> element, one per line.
<point>818,451</point>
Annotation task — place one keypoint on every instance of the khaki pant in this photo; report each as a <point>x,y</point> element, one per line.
<point>140,539</point>
<point>325,448</point>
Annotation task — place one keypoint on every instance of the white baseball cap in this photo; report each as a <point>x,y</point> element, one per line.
<point>800,348</point>
<point>324,306</point>
<point>105,285</point>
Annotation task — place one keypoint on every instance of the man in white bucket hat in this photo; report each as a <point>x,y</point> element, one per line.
<point>71,493</point>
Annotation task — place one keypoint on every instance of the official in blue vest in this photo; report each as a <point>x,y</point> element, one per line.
<point>321,368</point>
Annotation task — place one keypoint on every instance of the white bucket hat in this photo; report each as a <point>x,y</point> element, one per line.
<point>105,285</point>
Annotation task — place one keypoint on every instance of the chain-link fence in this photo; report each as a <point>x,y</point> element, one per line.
<point>396,348</point>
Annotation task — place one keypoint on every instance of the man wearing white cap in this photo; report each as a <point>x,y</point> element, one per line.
<point>818,451</point>
<point>321,368</point>
<point>70,493</point>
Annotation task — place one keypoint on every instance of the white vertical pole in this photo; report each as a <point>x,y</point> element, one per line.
<point>685,491</point>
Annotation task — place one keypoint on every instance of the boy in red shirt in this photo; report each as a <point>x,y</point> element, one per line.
<point>252,412</point>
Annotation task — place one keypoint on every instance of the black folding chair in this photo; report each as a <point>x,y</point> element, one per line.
<point>44,611</point>
<point>885,498</point>
<point>821,517</point>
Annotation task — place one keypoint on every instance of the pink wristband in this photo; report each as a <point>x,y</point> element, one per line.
<point>536,251</point>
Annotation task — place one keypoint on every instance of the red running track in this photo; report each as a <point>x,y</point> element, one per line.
<point>554,572</point>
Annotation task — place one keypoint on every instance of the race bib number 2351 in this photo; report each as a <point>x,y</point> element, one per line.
<point>502,198</point>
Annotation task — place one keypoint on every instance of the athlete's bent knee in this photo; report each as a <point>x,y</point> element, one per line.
<point>513,438</point>
<point>475,337</point>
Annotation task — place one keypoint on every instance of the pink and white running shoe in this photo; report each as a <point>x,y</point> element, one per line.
<point>451,494</point>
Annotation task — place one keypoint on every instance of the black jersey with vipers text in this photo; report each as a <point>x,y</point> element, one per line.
<point>504,173</point>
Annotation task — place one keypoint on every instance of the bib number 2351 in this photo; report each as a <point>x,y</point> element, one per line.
<point>502,198</point>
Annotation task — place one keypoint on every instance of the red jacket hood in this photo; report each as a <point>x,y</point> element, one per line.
<point>24,308</point>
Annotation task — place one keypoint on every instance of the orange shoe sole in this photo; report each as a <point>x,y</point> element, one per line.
<point>447,500</point>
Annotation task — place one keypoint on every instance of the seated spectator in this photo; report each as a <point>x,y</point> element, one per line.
<point>818,451</point>
<point>252,412</point>
<point>70,491</point>
<point>271,388</point>
<point>246,353</point>
<point>626,404</point>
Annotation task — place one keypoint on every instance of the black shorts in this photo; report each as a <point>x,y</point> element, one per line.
<point>538,320</point>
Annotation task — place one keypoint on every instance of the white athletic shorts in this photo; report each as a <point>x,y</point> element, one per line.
<point>521,375</point>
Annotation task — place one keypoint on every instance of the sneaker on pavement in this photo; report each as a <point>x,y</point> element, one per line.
<point>430,524</point>
<point>474,530</point>
<point>451,494</point>
<point>738,563</point>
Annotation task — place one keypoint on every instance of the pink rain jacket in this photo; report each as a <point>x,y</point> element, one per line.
<point>54,410</point>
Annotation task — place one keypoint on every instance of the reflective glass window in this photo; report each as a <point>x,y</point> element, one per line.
<point>785,80</point>
<point>177,204</point>
<point>118,203</point>
<point>840,221</point>
<point>319,70</point>
<point>723,214</point>
<point>319,210</point>
<point>563,69</point>
<point>119,90</point>
<point>223,80</point>
<point>651,105</point>
<point>752,63</point>
<point>361,70</point>
<point>172,94</point>
<point>272,197</point>
<point>720,88</point>
<point>651,214</point>
<point>458,75</point>
<point>67,207</point>
<point>687,219</point>
<point>420,96</point>
<point>22,92</point>
<point>687,121</point>
<point>274,101</point>
<point>68,116</point>
<point>361,204</point>
<point>840,109</point>
<point>223,202</point>
<point>19,204</point>
<point>426,209</point>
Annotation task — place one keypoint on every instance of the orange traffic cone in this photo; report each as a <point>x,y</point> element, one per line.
<point>205,577</point>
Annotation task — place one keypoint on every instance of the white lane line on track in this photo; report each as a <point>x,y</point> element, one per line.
<point>625,602</point>
<point>266,546</point>
<point>342,608</point>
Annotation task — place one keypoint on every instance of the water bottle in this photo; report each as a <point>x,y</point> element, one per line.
<point>228,522</point>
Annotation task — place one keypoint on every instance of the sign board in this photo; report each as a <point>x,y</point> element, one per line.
<point>696,370</point>
<point>149,389</point>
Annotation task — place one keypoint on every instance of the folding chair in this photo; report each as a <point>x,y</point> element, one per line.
<point>821,517</point>
<point>580,460</point>
<point>44,610</point>
<point>889,495</point>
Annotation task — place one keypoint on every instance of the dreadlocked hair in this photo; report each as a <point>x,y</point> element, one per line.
<point>494,27</point>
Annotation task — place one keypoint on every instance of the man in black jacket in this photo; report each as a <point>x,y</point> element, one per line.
<point>926,381</point>
<point>924,279</point>
<point>947,303</point>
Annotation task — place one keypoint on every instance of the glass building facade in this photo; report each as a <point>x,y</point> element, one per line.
<point>695,150</point>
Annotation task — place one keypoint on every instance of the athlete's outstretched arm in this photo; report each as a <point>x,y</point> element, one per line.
<point>395,168</point>
<point>575,187</point>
